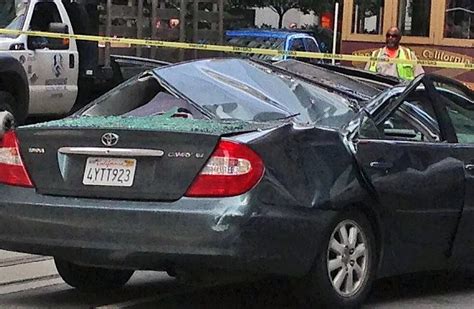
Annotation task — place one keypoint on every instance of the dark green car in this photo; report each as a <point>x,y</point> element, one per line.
<point>331,176</point>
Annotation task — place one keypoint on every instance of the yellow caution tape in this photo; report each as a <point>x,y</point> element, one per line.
<point>235,49</point>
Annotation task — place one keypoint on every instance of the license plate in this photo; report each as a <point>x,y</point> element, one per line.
<point>109,172</point>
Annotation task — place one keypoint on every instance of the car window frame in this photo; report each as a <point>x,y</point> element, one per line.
<point>310,39</point>
<point>440,99</point>
<point>388,107</point>
<point>380,111</point>
<point>428,130</point>
<point>290,44</point>
<point>418,123</point>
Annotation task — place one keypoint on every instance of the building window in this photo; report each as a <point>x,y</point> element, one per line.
<point>368,16</point>
<point>414,17</point>
<point>459,19</point>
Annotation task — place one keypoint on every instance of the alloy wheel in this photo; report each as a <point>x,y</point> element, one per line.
<point>348,258</point>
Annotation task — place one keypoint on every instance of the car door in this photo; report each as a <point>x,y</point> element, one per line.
<point>459,106</point>
<point>54,69</point>
<point>404,154</point>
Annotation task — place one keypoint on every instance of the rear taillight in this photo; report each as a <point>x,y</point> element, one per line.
<point>231,170</point>
<point>12,170</point>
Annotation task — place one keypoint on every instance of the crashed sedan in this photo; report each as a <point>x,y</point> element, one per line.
<point>329,176</point>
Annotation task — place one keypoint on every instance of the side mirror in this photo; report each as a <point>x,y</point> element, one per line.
<point>58,28</point>
<point>58,43</point>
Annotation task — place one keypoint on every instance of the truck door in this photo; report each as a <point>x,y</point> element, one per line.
<point>54,68</point>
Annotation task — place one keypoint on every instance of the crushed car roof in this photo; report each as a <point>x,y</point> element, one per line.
<point>348,85</point>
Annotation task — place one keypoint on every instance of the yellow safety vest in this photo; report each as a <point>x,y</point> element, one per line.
<point>405,71</point>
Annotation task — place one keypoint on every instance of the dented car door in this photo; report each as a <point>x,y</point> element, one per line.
<point>419,183</point>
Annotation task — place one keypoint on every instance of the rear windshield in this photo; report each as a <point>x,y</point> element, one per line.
<point>258,42</point>
<point>242,89</point>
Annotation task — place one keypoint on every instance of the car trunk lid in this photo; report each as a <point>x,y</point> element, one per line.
<point>152,158</point>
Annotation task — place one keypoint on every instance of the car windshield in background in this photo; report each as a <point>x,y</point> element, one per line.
<point>258,42</point>
<point>242,89</point>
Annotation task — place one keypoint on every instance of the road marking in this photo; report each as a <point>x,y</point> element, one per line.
<point>23,272</point>
<point>31,284</point>
<point>23,260</point>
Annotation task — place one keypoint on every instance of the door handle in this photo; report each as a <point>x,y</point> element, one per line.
<point>381,165</point>
<point>72,61</point>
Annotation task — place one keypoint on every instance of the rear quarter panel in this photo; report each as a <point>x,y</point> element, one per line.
<point>308,167</point>
<point>309,177</point>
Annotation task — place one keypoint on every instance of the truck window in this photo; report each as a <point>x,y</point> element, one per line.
<point>44,13</point>
<point>7,12</point>
<point>12,17</point>
<point>297,45</point>
<point>311,46</point>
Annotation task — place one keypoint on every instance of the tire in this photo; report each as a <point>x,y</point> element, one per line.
<point>91,279</point>
<point>330,288</point>
<point>7,101</point>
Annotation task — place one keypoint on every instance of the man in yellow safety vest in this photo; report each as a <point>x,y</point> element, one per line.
<point>392,49</point>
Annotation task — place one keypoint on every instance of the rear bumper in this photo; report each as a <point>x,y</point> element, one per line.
<point>231,234</point>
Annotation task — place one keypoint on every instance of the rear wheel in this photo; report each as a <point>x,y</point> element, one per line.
<point>89,279</point>
<point>343,273</point>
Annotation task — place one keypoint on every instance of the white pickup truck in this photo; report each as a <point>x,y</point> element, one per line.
<point>40,76</point>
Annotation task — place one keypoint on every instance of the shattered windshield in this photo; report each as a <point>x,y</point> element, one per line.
<point>244,90</point>
<point>12,14</point>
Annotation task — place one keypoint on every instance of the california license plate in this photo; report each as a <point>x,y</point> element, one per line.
<point>113,172</point>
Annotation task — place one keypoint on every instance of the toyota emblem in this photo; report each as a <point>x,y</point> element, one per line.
<point>110,139</point>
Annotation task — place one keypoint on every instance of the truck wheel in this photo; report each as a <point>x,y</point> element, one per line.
<point>342,275</point>
<point>7,101</point>
<point>91,279</point>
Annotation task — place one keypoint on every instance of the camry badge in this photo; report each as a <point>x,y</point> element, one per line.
<point>110,139</point>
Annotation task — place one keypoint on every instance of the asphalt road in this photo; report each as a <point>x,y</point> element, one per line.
<point>32,281</point>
